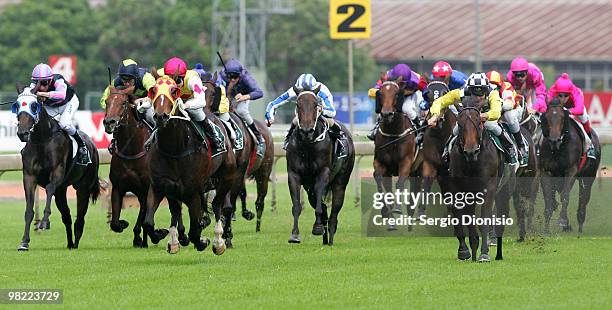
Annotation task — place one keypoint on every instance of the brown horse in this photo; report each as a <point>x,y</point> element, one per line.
<point>129,170</point>
<point>562,162</point>
<point>182,167</point>
<point>394,142</point>
<point>249,165</point>
<point>48,162</point>
<point>429,164</point>
<point>475,165</point>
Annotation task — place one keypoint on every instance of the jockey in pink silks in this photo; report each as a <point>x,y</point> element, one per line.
<point>526,78</point>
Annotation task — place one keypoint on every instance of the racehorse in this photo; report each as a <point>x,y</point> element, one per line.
<point>249,164</point>
<point>394,143</point>
<point>181,166</point>
<point>47,161</point>
<point>311,163</point>
<point>429,164</point>
<point>475,165</point>
<point>129,169</point>
<point>562,161</point>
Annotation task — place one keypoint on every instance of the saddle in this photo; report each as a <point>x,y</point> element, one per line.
<point>237,136</point>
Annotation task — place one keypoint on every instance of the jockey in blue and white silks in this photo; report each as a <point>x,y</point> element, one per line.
<point>307,81</point>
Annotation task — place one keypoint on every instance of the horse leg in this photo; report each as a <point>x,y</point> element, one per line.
<point>173,246</point>
<point>584,197</point>
<point>485,212</point>
<point>549,200</point>
<point>139,242</point>
<point>429,173</point>
<point>116,224</point>
<point>246,213</point>
<point>44,224</point>
<point>337,202</point>
<point>153,201</point>
<point>565,195</point>
<point>518,198</point>
<point>531,200</point>
<point>262,191</point>
<point>195,230</point>
<point>62,205</point>
<point>296,210</point>
<point>29,186</point>
<point>182,237</point>
<point>82,206</point>
<point>222,205</point>
<point>227,210</point>
<point>319,189</point>
<point>325,222</point>
<point>502,204</point>
<point>463,253</point>
<point>205,213</point>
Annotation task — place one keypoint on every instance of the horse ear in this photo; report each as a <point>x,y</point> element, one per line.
<point>19,88</point>
<point>154,73</point>
<point>296,90</point>
<point>316,90</point>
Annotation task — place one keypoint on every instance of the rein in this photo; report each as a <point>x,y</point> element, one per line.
<point>123,122</point>
<point>477,126</point>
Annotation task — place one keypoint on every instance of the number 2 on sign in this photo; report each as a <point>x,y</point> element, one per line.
<point>345,26</point>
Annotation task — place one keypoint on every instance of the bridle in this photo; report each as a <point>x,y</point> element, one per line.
<point>477,125</point>
<point>320,137</point>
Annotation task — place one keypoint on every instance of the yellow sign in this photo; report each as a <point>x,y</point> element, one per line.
<point>350,19</point>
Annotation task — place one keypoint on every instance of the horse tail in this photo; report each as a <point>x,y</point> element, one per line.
<point>95,189</point>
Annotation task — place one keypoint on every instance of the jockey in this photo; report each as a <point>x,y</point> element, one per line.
<point>527,78</point>
<point>412,96</point>
<point>61,102</point>
<point>511,111</point>
<point>572,98</point>
<point>128,75</point>
<point>307,81</point>
<point>246,89</point>
<point>454,79</point>
<point>192,91</point>
<point>224,104</point>
<point>477,85</point>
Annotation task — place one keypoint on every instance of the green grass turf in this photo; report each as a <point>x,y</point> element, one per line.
<point>264,271</point>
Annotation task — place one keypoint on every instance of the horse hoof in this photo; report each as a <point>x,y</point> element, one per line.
<point>162,233</point>
<point>463,255</point>
<point>484,258</point>
<point>173,248</point>
<point>23,247</point>
<point>295,238</point>
<point>391,227</point>
<point>124,224</point>
<point>318,229</point>
<point>137,242</point>
<point>118,228</point>
<point>44,225</point>
<point>491,242</point>
<point>499,257</point>
<point>520,239</point>
<point>397,210</point>
<point>248,215</point>
<point>567,228</point>
<point>228,243</point>
<point>203,244</point>
<point>183,240</point>
<point>563,222</point>
<point>219,247</point>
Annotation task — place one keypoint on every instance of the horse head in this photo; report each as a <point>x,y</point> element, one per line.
<point>118,104</point>
<point>389,98</point>
<point>307,110</point>
<point>164,95</point>
<point>212,93</point>
<point>27,108</point>
<point>470,128</point>
<point>554,123</point>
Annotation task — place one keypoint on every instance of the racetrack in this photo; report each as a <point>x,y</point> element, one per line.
<point>263,270</point>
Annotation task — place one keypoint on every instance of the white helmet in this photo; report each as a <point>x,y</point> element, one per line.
<point>478,84</point>
<point>306,81</point>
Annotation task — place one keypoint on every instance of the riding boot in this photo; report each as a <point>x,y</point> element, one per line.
<point>336,132</point>
<point>112,146</point>
<point>82,154</point>
<point>372,133</point>
<point>506,142</point>
<point>289,133</point>
<point>518,137</point>
<point>217,143</point>
<point>256,132</point>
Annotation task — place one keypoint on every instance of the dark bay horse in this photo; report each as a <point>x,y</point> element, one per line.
<point>311,163</point>
<point>249,165</point>
<point>394,143</point>
<point>129,169</point>
<point>562,162</point>
<point>182,167</point>
<point>475,166</point>
<point>429,164</point>
<point>47,161</point>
